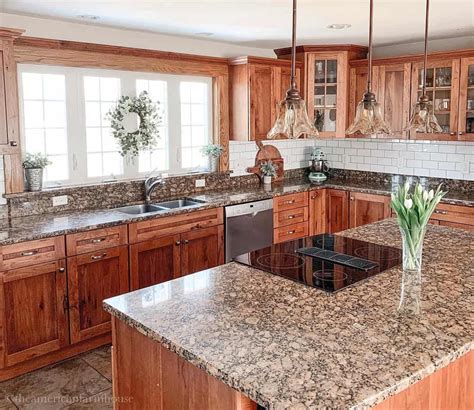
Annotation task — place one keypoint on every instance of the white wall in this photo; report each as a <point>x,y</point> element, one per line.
<point>453,160</point>
<point>89,33</point>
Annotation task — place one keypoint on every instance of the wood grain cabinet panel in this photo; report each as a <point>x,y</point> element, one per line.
<point>290,216</point>
<point>455,216</point>
<point>368,208</point>
<point>92,241</point>
<point>290,232</point>
<point>337,209</point>
<point>33,311</point>
<point>317,212</point>
<point>202,249</point>
<point>93,277</point>
<point>291,201</point>
<point>262,107</point>
<point>155,261</point>
<point>466,98</point>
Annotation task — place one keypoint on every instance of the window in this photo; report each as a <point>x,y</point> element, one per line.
<point>63,116</point>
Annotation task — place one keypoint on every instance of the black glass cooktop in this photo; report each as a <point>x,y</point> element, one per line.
<point>328,262</point>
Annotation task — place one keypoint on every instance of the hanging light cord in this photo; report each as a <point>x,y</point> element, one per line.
<point>293,48</point>
<point>425,61</point>
<point>369,75</point>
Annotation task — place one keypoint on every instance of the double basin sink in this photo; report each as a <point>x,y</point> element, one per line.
<point>159,206</point>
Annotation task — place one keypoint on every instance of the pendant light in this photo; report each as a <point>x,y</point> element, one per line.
<point>292,120</point>
<point>424,119</point>
<point>369,119</point>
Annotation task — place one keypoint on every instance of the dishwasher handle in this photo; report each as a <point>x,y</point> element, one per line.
<point>250,209</point>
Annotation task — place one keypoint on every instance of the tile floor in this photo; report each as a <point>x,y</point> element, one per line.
<point>83,382</point>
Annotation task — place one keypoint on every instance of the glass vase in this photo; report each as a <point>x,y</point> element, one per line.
<point>412,245</point>
<point>410,295</point>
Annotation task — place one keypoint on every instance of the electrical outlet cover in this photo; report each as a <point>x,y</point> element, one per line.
<point>60,200</point>
<point>200,183</point>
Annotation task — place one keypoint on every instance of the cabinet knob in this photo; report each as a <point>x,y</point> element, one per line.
<point>352,198</point>
<point>13,143</point>
<point>452,133</point>
<point>315,195</point>
<point>178,243</point>
<point>61,270</point>
<point>97,257</point>
<point>186,241</point>
<point>291,232</point>
<point>290,202</point>
<point>291,217</point>
<point>460,133</point>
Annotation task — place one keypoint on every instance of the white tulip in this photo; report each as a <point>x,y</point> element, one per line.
<point>431,195</point>
<point>419,189</point>
<point>408,203</point>
<point>425,196</point>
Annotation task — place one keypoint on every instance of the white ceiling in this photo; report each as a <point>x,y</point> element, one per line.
<point>266,23</point>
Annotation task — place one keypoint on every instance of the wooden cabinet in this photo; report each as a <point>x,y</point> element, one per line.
<point>317,212</point>
<point>93,277</point>
<point>33,310</point>
<point>337,209</point>
<point>391,84</point>
<point>290,217</point>
<point>442,87</point>
<point>367,208</point>
<point>257,85</point>
<point>455,216</point>
<point>466,100</point>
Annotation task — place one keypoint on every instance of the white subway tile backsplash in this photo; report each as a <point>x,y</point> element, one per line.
<point>408,157</point>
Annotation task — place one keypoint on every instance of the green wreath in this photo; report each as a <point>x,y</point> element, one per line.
<point>144,138</point>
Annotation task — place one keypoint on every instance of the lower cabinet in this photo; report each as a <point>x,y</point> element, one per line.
<point>93,277</point>
<point>337,210</point>
<point>33,312</point>
<point>367,208</point>
<point>163,259</point>
<point>317,210</point>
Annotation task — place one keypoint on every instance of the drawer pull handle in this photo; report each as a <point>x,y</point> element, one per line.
<point>62,270</point>
<point>291,217</point>
<point>186,241</point>
<point>97,240</point>
<point>291,232</point>
<point>97,257</point>
<point>29,253</point>
<point>178,243</point>
<point>292,201</point>
<point>441,212</point>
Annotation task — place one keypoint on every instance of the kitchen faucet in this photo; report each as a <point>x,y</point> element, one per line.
<point>151,184</point>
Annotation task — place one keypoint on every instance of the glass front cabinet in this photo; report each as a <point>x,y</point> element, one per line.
<point>466,100</point>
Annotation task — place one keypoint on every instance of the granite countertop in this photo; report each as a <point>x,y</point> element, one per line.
<point>42,226</point>
<point>285,345</point>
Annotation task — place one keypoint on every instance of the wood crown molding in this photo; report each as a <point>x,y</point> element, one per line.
<point>66,45</point>
<point>263,60</point>
<point>414,58</point>
<point>322,48</point>
<point>11,33</point>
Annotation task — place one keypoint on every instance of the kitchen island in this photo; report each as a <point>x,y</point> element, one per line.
<point>233,336</point>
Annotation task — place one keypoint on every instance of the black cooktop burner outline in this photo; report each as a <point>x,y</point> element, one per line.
<point>294,257</point>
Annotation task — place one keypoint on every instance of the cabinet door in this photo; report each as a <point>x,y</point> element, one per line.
<point>337,210</point>
<point>34,311</point>
<point>93,277</point>
<point>317,212</point>
<point>284,82</point>
<point>154,261</point>
<point>466,100</point>
<point>442,87</point>
<point>327,92</point>
<point>202,249</point>
<point>368,208</point>
<point>262,108</point>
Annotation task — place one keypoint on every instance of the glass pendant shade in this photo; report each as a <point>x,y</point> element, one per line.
<point>423,118</point>
<point>369,118</point>
<point>292,121</point>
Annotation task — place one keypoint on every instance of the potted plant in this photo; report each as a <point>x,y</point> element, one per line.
<point>268,170</point>
<point>34,165</point>
<point>212,152</point>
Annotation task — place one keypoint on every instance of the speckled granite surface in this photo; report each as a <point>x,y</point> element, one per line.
<point>32,227</point>
<point>285,345</point>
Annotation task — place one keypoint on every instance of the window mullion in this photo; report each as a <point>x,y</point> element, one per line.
<point>174,126</point>
<point>128,87</point>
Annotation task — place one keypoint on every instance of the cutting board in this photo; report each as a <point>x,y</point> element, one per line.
<point>265,153</point>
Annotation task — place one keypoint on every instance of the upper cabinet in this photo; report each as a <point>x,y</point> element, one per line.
<point>326,84</point>
<point>257,85</point>
<point>466,100</point>
<point>442,88</point>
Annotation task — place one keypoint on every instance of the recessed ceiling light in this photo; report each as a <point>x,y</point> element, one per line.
<point>88,17</point>
<point>339,26</point>
<point>204,34</point>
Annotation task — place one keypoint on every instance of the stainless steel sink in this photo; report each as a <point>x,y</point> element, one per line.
<point>179,203</point>
<point>141,209</point>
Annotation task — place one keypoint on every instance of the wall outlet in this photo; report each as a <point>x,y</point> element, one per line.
<point>200,183</point>
<point>60,200</point>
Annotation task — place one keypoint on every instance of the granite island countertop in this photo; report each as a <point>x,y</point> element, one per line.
<point>285,345</point>
<point>27,228</point>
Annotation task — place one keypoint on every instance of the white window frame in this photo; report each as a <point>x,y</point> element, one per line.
<point>76,127</point>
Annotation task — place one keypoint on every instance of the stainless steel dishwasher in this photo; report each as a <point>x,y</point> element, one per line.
<point>248,227</point>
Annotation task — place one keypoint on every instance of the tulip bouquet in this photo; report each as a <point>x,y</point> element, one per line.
<point>414,210</point>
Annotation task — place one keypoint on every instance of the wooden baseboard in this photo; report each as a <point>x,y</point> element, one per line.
<point>54,357</point>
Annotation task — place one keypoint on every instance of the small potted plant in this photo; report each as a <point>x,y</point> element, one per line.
<point>212,152</point>
<point>34,165</point>
<point>268,170</point>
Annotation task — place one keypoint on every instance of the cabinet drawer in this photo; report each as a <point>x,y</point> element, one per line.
<point>285,202</point>
<point>454,213</point>
<point>92,241</point>
<point>290,232</point>
<point>172,225</point>
<point>290,216</point>
<point>31,253</point>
